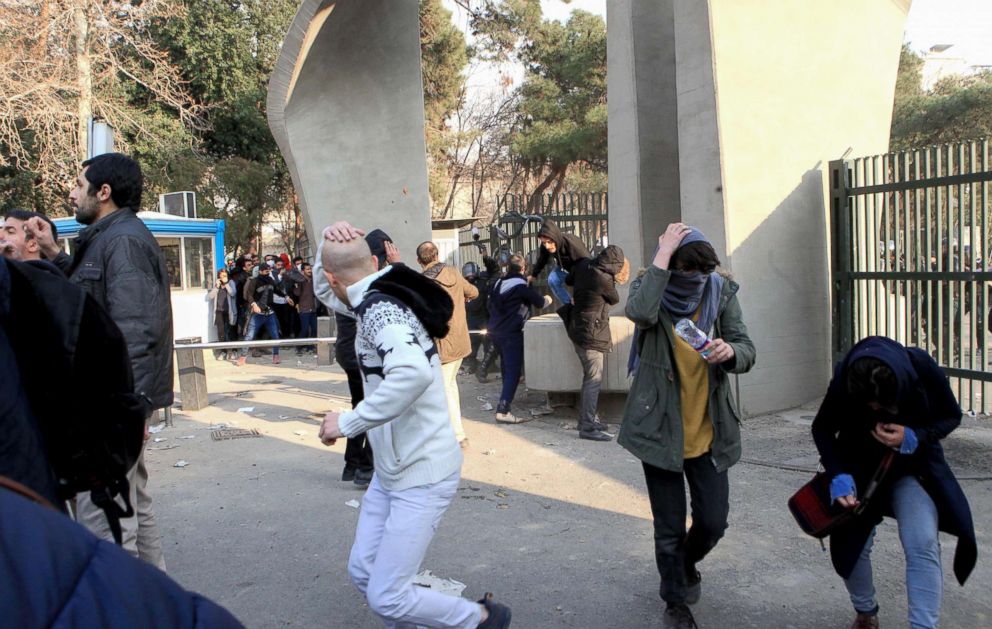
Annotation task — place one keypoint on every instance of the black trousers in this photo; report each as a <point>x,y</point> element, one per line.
<point>478,340</point>
<point>357,450</point>
<point>677,552</point>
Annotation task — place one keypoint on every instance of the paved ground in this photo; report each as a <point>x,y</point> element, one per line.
<point>557,527</point>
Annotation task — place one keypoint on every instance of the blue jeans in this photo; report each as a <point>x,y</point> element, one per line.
<point>511,363</point>
<point>916,516</point>
<point>308,328</point>
<point>259,321</point>
<point>556,281</point>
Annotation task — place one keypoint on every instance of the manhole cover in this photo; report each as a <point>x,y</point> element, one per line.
<point>233,433</point>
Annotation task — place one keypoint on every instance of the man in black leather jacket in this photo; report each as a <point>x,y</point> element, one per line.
<point>119,263</point>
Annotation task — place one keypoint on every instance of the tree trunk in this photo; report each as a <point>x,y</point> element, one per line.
<point>560,182</point>
<point>84,76</point>
<point>535,197</point>
<point>451,195</point>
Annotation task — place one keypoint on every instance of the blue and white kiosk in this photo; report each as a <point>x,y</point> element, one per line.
<point>194,250</point>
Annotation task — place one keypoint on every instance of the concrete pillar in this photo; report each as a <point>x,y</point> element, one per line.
<point>346,107</point>
<point>764,94</point>
<point>192,375</point>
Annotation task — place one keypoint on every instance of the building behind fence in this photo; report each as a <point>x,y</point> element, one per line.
<point>911,257</point>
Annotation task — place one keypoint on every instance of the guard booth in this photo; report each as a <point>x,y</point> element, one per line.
<point>193,250</point>
<point>445,234</point>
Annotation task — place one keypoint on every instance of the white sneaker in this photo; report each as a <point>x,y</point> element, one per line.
<point>509,418</point>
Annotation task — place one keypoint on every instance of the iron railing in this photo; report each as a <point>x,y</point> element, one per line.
<point>585,215</point>
<point>911,257</point>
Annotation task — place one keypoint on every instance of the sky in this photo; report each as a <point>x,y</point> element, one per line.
<point>967,24</point>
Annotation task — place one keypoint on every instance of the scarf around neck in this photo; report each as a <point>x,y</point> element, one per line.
<point>685,294</point>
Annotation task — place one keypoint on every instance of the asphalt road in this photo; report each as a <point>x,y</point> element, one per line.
<point>556,527</point>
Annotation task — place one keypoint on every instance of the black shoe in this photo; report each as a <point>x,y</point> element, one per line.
<point>595,435</point>
<point>499,614</point>
<point>348,474</point>
<point>694,587</point>
<point>363,478</point>
<point>679,617</point>
<point>481,377</point>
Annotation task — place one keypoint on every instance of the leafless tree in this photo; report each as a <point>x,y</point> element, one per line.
<point>65,61</point>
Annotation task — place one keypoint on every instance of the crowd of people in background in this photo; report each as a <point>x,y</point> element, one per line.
<point>269,297</point>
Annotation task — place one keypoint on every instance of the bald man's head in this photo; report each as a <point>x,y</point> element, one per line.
<point>346,263</point>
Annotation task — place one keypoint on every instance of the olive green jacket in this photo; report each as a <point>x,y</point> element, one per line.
<point>652,419</point>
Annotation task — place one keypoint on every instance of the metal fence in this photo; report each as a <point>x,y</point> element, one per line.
<point>585,215</point>
<point>911,252</point>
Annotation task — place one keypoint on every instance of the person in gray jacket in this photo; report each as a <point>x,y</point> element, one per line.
<point>119,263</point>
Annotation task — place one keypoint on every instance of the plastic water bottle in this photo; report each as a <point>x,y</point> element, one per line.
<point>695,337</point>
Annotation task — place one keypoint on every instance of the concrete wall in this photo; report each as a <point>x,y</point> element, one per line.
<point>553,366</point>
<point>347,110</point>
<point>765,93</point>
<point>643,129</point>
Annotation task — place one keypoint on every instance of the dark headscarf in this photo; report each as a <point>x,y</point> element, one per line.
<point>892,354</point>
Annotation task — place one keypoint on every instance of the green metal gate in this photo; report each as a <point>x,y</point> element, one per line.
<point>911,253</point>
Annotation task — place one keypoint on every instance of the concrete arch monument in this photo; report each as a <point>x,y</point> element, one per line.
<point>346,107</point>
<point>722,113</point>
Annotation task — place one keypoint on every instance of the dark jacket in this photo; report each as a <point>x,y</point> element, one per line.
<point>652,418</point>
<point>477,310</point>
<point>119,263</point>
<point>301,289</point>
<point>509,304</point>
<point>55,573</point>
<point>842,431</point>
<point>23,456</point>
<point>344,346</point>
<point>59,348</point>
<point>240,279</point>
<point>569,249</point>
<point>587,318</point>
<point>260,291</point>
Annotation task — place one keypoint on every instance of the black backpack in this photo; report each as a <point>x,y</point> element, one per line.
<point>75,369</point>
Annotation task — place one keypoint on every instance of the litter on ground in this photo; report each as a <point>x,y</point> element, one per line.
<point>181,463</point>
<point>428,579</point>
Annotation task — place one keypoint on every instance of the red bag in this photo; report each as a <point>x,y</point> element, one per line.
<point>818,515</point>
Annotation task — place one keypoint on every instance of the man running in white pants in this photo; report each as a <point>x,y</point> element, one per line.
<point>405,415</point>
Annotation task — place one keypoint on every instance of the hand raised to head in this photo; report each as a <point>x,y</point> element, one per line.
<point>342,231</point>
<point>668,243</point>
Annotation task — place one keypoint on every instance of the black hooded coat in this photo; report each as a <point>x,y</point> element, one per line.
<point>569,249</point>
<point>587,319</point>
<point>842,431</point>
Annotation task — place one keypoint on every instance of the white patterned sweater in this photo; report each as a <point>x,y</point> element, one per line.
<point>405,410</point>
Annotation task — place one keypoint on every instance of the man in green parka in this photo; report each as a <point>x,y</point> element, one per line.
<point>680,419</point>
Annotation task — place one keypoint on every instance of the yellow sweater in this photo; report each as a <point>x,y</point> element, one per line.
<point>694,385</point>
